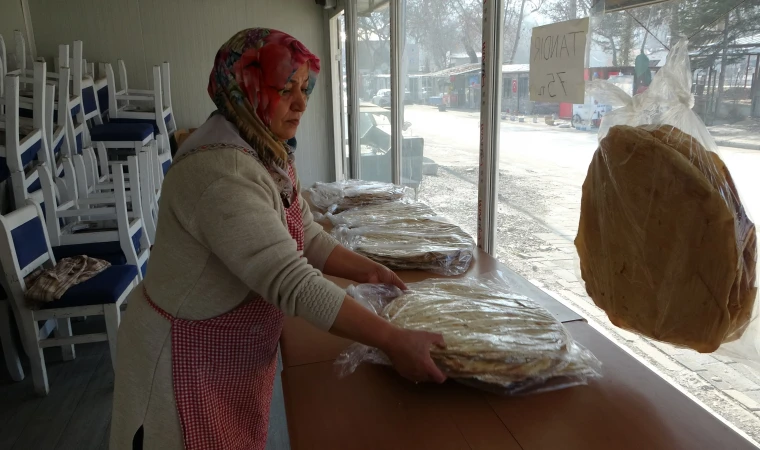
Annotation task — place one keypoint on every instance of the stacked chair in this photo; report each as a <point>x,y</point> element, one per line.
<point>84,162</point>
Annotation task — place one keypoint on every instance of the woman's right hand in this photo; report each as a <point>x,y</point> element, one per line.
<point>409,351</point>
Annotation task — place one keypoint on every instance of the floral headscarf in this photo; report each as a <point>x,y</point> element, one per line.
<point>250,72</point>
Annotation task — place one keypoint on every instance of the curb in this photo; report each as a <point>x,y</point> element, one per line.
<point>741,145</point>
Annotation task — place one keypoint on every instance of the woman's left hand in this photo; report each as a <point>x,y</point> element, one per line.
<point>379,274</point>
<point>344,263</point>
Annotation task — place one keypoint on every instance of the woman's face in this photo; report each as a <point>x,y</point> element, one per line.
<point>286,116</point>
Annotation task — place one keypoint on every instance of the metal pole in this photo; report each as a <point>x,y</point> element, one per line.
<point>352,86</point>
<point>397,89</point>
<point>490,126</point>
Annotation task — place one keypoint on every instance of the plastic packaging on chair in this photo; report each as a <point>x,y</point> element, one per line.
<point>382,213</point>
<point>666,248</point>
<point>495,339</point>
<point>342,195</point>
<point>426,243</point>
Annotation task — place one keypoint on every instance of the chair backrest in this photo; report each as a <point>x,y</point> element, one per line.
<point>24,247</point>
<point>65,117</point>
<point>158,101</point>
<point>21,151</point>
<point>18,36</point>
<point>123,84</point>
<point>84,87</point>
<point>51,205</point>
<point>166,84</point>
<point>3,69</point>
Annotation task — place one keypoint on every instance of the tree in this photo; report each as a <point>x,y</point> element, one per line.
<point>534,6</point>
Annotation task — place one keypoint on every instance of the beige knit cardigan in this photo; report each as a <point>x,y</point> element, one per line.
<point>221,240</point>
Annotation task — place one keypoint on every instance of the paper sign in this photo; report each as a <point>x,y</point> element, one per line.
<point>557,61</point>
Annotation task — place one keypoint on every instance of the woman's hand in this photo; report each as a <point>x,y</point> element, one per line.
<point>409,351</point>
<point>379,274</point>
<point>344,263</point>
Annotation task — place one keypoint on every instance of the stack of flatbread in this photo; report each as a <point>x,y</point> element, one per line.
<point>493,337</point>
<point>382,213</point>
<point>665,246</point>
<point>342,195</point>
<point>425,243</point>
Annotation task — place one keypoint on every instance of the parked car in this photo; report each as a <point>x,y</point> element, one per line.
<point>383,98</point>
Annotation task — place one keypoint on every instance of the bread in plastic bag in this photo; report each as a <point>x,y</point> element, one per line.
<point>495,339</point>
<point>425,243</point>
<point>342,195</point>
<point>384,212</point>
<point>666,248</point>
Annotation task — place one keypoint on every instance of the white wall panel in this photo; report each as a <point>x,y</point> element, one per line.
<point>11,18</point>
<point>187,33</point>
<point>109,29</point>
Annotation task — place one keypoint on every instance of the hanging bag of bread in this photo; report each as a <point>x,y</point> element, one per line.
<point>666,248</point>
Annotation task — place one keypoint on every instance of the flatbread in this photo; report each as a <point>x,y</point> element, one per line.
<point>382,213</point>
<point>343,195</point>
<point>426,243</point>
<point>743,293</point>
<point>491,335</point>
<point>657,239</point>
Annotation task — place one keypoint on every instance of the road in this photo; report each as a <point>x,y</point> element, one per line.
<point>452,138</point>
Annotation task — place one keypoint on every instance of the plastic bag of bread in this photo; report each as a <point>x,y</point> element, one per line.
<point>382,213</point>
<point>666,248</point>
<point>408,243</point>
<point>495,339</point>
<point>342,195</point>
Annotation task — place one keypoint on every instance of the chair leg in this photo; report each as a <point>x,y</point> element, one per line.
<point>30,336</point>
<point>64,330</point>
<point>113,318</point>
<point>12,361</point>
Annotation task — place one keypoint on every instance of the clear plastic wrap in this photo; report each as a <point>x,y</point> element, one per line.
<point>666,248</point>
<point>376,214</point>
<point>495,339</point>
<point>342,195</point>
<point>426,243</point>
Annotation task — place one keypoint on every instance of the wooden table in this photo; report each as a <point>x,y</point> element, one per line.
<point>631,407</point>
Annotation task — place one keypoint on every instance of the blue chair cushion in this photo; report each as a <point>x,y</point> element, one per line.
<point>35,186</point>
<point>121,132</point>
<point>165,166</point>
<point>148,121</point>
<point>105,287</point>
<point>88,100</point>
<point>29,241</point>
<point>108,251</point>
<point>103,99</point>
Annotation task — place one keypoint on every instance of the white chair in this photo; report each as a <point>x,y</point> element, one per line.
<point>121,241</point>
<point>25,147</point>
<point>132,136</point>
<point>25,247</point>
<point>158,99</point>
<point>3,70</point>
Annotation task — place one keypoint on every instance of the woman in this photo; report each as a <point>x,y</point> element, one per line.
<point>236,249</point>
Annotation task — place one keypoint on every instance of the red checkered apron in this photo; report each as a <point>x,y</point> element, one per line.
<point>223,368</point>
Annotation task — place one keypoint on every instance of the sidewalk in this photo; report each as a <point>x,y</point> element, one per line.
<point>745,135</point>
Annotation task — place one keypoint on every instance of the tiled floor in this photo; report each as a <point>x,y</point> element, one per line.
<point>76,415</point>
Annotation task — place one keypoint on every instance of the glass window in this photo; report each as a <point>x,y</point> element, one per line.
<point>374,63</point>
<point>441,72</point>
<point>546,150</point>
